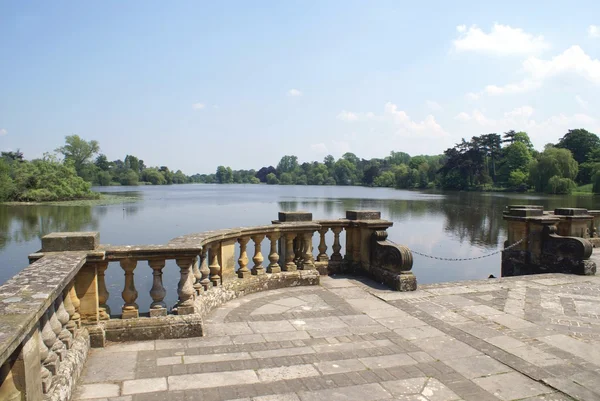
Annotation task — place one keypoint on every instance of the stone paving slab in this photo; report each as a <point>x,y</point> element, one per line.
<point>533,338</point>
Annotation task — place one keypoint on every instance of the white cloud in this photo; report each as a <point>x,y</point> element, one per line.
<point>473,96</point>
<point>400,119</point>
<point>319,148</point>
<point>572,61</point>
<point>435,106</point>
<point>520,115</point>
<point>294,92</point>
<point>519,112</point>
<point>198,106</point>
<point>3,131</point>
<point>594,31</point>
<point>583,103</point>
<point>406,125</point>
<point>347,116</point>
<point>524,86</point>
<point>501,40</point>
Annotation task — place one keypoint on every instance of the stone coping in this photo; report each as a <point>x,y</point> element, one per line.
<point>26,297</point>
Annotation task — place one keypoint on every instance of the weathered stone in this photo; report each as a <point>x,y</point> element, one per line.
<point>291,217</point>
<point>70,241</point>
<point>363,215</point>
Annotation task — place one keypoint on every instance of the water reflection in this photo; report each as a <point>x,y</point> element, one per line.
<point>26,222</point>
<point>448,224</point>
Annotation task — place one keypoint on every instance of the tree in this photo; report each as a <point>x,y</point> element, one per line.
<point>224,175</point>
<point>12,156</point>
<point>287,164</point>
<point>102,162</point>
<point>550,163</point>
<point>396,158</point>
<point>329,161</point>
<point>264,172</point>
<point>580,142</point>
<point>272,179</point>
<point>344,172</point>
<point>78,151</point>
<point>516,157</point>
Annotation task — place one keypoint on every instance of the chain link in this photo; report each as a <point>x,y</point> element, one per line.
<point>475,257</point>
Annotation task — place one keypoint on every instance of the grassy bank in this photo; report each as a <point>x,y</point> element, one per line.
<point>102,200</point>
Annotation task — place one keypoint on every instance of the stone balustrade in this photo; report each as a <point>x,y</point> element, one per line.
<point>57,307</point>
<point>547,242</point>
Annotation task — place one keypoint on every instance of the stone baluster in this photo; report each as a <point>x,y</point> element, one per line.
<point>298,250</point>
<point>158,292</point>
<point>204,270</point>
<point>243,271</point>
<point>76,304</point>
<point>308,260</point>
<point>197,275</point>
<point>273,266</point>
<point>58,347</point>
<point>336,256</point>
<point>130,308</point>
<point>290,265</point>
<point>103,309</point>
<point>185,289</point>
<point>214,267</point>
<point>70,308</point>
<point>322,257</point>
<point>258,269</point>
<point>63,317</point>
<point>45,374</point>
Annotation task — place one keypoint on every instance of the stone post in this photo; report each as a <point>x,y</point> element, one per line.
<point>227,260</point>
<point>185,290</point>
<point>243,271</point>
<point>158,292</point>
<point>130,308</point>
<point>86,287</point>
<point>290,265</point>
<point>21,375</point>
<point>525,223</point>
<point>103,294</point>
<point>258,269</point>
<point>363,224</point>
<point>574,222</point>
<point>273,266</point>
<point>204,270</point>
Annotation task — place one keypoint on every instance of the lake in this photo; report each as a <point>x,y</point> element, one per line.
<point>443,224</point>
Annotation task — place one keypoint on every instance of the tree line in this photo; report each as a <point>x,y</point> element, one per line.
<point>486,162</point>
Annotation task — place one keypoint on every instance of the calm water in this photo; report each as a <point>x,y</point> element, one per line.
<point>449,224</point>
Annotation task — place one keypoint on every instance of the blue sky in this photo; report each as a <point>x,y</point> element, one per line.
<point>193,85</point>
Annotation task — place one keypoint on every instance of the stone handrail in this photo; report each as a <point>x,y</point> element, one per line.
<point>40,326</point>
<point>55,309</point>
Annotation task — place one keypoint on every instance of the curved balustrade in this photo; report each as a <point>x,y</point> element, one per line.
<point>58,306</point>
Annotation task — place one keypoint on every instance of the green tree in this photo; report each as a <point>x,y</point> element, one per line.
<point>287,164</point>
<point>550,163</point>
<point>286,179</point>
<point>345,172</point>
<point>224,175</point>
<point>272,179</point>
<point>580,142</point>
<point>153,176</point>
<point>78,151</point>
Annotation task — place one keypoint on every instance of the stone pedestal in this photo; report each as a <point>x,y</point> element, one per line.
<point>539,247</point>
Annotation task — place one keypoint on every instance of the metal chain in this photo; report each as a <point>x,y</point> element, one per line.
<point>475,257</point>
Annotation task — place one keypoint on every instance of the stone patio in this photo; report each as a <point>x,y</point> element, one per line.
<point>524,338</point>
